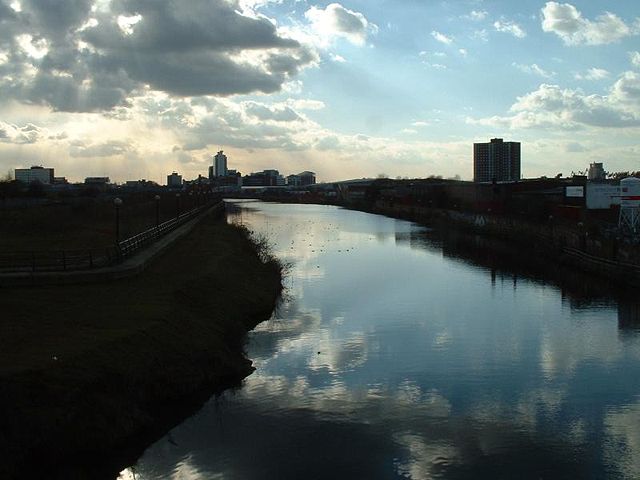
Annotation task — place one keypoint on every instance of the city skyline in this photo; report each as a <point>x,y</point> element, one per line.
<point>348,90</point>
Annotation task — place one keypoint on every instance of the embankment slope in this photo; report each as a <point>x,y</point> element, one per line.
<point>86,369</point>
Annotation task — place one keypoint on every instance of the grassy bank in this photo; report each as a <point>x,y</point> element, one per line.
<point>90,368</point>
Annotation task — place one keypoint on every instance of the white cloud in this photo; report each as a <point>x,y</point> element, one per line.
<point>481,35</point>
<point>126,23</point>
<point>553,107</point>
<point>534,69</point>
<point>441,37</point>
<point>306,104</point>
<point>635,58</point>
<point>567,22</point>
<point>34,48</point>
<point>592,74</point>
<point>477,15</point>
<point>338,21</point>
<point>463,52</point>
<point>26,134</point>
<point>512,28</point>
<point>436,66</point>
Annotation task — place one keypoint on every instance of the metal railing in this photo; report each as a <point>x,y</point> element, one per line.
<point>87,259</point>
<point>57,261</point>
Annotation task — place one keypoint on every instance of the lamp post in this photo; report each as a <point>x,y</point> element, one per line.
<point>177,205</point>
<point>190,207</point>
<point>117,202</point>
<point>157,199</point>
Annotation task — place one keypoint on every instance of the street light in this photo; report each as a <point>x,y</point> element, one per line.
<point>117,202</point>
<point>177,205</point>
<point>157,199</point>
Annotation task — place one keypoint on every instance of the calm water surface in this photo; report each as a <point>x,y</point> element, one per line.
<point>391,357</point>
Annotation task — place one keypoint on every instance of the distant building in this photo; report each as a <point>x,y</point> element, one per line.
<point>219,165</point>
<point>174,180</point>
<point>596,172</point>
<point>97,181</point>
<point>140,184</point>
<point>302,179</point>
<point>496,161</point>
<point>35,174</point>
<point>100,184</point>
<point>266,178</point>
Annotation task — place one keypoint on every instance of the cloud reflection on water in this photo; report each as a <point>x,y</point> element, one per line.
<point>393,361</point>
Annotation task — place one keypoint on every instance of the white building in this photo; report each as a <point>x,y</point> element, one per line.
<point>220,164</point>
<point>35,174</point>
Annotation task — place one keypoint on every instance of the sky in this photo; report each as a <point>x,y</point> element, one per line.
<point>135,89</point>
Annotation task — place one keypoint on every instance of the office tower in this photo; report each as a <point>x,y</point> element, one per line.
<point>220,164</point>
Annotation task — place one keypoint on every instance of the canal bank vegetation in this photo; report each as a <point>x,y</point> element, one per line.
<point>86,369</point>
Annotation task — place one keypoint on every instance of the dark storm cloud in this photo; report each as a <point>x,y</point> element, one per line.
<point>171,26</point>
<point>54,19</point>
<point>206,49</point>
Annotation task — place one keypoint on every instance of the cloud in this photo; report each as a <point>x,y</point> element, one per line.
<point>331,142</point>
<point>534,69</point>
<point>338,21</point>
<point>592,74</point>
<point>441,37</point>
<point>509,27</point>
<point>27,134</point>
<point>477,15</point>
<point>635,58</point>
<point>481,35</point>
<point>553,107</point>
<point>107,149</point>
<point>306,104</point>
<point>574,147</point>
<point>78,59</point>
<point>278,113</point>
<point>566,21</point>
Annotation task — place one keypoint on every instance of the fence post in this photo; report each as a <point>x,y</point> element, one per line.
<point>90,259</point>
<point>33,261</point>
<point>64,261</point>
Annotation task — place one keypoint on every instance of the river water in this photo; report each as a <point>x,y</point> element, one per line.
<point>397,353</point>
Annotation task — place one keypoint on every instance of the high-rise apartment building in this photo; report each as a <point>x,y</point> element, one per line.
<point>220,164</point>
<point>496,161</point>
